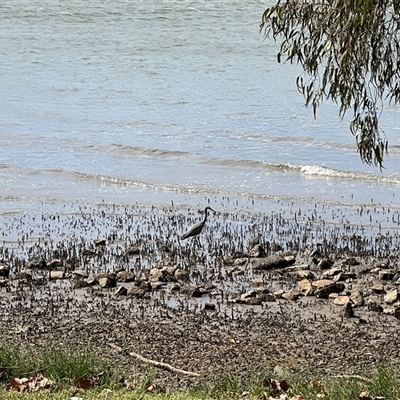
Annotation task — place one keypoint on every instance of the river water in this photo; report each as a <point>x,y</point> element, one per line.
<point>169,103</point>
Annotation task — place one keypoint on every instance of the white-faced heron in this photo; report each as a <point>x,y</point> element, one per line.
<point>196,229</point>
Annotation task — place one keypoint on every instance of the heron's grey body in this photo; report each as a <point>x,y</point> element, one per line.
<point>196,229</point>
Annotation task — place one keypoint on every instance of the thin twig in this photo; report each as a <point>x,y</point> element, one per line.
<point>156,363</point>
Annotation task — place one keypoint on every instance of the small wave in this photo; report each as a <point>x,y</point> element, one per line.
<point>126,150</point>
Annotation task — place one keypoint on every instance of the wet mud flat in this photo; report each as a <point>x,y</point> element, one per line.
<point>290,290</point>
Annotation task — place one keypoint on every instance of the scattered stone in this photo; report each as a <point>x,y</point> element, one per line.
<point>169,273</point>
<point>257,251</point>
<point>249,298</point>
<point>23,275</point>
<point>325,263</point>
<point>107,282</point>
<point>77,283</point>
<point>209,306</point>
<point>357,298</point>
<point>4,271</point>
<point>121,291</point>
<point>181,275</point>
<point>155,275</point>
<point>88,253</point>
<point>132,251</point>
<point>305,287</point>
<point>253,242</point>
<point>330,273</point>
<point>36,263</point>
<point>302,274</point>
<point>266,297</point>
<point>373,305</point>
<point>79,273</point>
<point>341,300</point>
<point>240,261</point>
<point>350,261</point>
<point>347,311</point>
<point>377,288</point>
<point>125,276</point>
<point>257,282</point>
<point>272,262</point>
<point>55,263</point>
<point>386,275</point>
<point>278,294</point>
<point>324,287</point>
<point>396,312</point>
<point>382,264</point>
<point>291,295</point>
<point>391,296</point>
<point>57,275</point>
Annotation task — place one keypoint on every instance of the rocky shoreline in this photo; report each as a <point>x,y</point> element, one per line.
<point>241,299</point>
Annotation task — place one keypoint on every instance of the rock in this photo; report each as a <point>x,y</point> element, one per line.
<point>350,261</point>
<point>100,242</point>
<point>266,297</point>
<point>139,288</point>
<point>157,285</point>
<point>196,291</point>
<point>391,296</point>
<point>107,282</point>
<point>209,306</point>
<point>302,274</point>
<point>91,281</point>
<point>272,262</point>
<point>79,273</point>
<point>278,294</point>
<point>253,242</point>
<point>4,271</point>
<point>291,295</point>
<point>132,251</point>
<point>386,275</point>
<point>373,305</point>
<point>396,312</point>
<point>341,300</point>
<point>305,287</point>
<point>227,259</point>
<point>23,276</point>
<point>324,287</point>
<point>325,263</point>
<point>125,276</point>
<point>88,253</point>
<point>155,275</point>
<point>181,275</point>
<point>121,291</point>
<point>357,298</point>
<point>36,263</point>
<point>364,396</point>
<point>249,298</point>
<point>257,282</point>
<point>240,261</point>
<point>330,273</point>
<point>77,283</point>
<point>55,263</point>
<point>57,275</point>
<point>294,268</point>
<point>377,288</point>
<point>257,251</point>
<point>382,264</point>
<point>169,273</point>
<point>347,311</point>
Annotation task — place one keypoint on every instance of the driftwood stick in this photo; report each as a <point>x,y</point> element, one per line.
<point>156,363</point>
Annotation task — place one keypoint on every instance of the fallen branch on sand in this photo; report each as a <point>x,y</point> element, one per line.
<point>157,364</point>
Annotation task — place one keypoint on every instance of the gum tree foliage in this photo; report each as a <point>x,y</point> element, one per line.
<point>350,53</point>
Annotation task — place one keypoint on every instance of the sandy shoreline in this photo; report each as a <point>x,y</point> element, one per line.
<point>213,309</point>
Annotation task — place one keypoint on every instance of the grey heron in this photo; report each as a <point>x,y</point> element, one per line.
<point>196,229</point>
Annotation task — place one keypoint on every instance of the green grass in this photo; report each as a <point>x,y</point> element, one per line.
<point>64,365</point>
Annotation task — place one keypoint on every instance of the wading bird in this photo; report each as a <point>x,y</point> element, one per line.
<point>196,229</point>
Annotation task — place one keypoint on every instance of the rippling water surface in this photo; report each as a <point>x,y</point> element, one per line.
<point>167,102</point>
